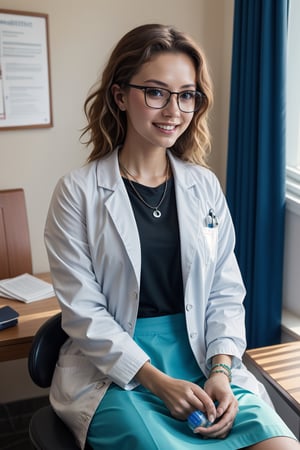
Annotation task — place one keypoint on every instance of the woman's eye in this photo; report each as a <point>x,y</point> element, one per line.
<point>187,95</point>
<point>155,92</point>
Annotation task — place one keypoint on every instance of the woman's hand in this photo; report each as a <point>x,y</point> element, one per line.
<point>218,389</point>
<point>180,397</point>
<point>183,397</point>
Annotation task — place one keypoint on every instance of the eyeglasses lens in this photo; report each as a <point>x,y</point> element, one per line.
<point>188,101</point>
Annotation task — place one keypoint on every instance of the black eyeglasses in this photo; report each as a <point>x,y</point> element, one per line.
<point>155,97</point>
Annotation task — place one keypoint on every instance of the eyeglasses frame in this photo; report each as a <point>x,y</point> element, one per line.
<point>144,89</point>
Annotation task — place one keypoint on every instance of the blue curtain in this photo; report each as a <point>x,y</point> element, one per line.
<point>256,160</point>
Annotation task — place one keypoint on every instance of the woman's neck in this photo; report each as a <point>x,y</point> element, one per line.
<point>147,168</point>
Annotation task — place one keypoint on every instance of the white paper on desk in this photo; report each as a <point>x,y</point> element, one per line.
<point>26,288</point>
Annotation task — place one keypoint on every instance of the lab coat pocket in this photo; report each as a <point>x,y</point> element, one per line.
<point>71,376</point>
<point>210,239</point>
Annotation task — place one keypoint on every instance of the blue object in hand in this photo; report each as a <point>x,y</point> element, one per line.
<point>198,419</point>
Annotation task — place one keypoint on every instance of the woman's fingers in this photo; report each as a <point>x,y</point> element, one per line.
<point>222,427</point>
<point>203,402</point>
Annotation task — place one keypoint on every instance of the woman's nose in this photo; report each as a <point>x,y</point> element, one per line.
<point>172,105</point>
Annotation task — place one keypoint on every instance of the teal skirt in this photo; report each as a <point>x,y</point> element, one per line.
<point>138,420</point>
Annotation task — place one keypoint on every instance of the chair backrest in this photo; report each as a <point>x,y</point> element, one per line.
<point>15,250</point>
<point>44,351</point>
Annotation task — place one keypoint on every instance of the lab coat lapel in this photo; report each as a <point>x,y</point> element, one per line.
<point>188,212</point>
<point>119,208</point>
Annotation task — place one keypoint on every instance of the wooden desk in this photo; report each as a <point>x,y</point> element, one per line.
<point>278,367</point>
<point>15,342</point>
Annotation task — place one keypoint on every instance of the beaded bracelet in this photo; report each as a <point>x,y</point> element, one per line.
<point>221,371</point>
<point>223,366</point>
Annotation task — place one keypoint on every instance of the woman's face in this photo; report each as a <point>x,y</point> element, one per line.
<point>159,128</point>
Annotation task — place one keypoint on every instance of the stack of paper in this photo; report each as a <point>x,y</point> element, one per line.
<point>26,288</point>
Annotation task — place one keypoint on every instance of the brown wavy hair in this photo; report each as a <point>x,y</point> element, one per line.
<point>107,125</point>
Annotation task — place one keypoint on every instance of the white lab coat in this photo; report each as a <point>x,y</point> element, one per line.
<point>95,259</point>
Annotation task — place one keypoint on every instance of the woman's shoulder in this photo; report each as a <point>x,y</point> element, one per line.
<point>81,177</point>
<point>195,173</point>
<point>93,173</point>
<point>77,183</point>
<point>203,172</point>
<point>82,174</point>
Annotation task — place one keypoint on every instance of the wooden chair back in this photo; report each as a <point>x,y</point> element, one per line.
<point>15,250</point>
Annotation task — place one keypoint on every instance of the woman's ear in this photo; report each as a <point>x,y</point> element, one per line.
<point>119,96</point>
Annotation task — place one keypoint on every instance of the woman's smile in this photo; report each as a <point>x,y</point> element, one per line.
<point>166,127</point>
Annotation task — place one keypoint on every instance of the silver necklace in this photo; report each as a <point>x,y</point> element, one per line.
<point>156,212</point>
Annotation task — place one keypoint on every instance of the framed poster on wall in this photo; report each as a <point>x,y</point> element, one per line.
<point>25,88</point>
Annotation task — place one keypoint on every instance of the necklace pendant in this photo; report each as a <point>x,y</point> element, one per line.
<point>156,213</point>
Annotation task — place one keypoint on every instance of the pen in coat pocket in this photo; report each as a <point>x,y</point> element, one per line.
<point>211,219</point>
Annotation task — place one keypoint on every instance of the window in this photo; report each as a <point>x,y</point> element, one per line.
<point>291,279</point>
<point>293,106</point>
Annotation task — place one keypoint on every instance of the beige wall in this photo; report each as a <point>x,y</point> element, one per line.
<point>81,37</point>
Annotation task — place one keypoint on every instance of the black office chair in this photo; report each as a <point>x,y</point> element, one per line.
<point>46,429</point>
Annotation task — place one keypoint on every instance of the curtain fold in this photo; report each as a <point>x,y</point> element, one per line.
<point>256,160</point>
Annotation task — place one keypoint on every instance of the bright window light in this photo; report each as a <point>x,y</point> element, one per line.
<point>293,102</point>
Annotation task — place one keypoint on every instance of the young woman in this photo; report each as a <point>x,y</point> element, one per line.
<point>141,250</point>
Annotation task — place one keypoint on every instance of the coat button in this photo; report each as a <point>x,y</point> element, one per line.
<point>188,307</point>
<point>193,335</point>
<point>129,325</point>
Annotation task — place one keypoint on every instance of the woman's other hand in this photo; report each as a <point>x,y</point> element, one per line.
<point>180,397</point>
<point>218,389</point>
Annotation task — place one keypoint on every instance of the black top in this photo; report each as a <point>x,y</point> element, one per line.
<point>161,290</point>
